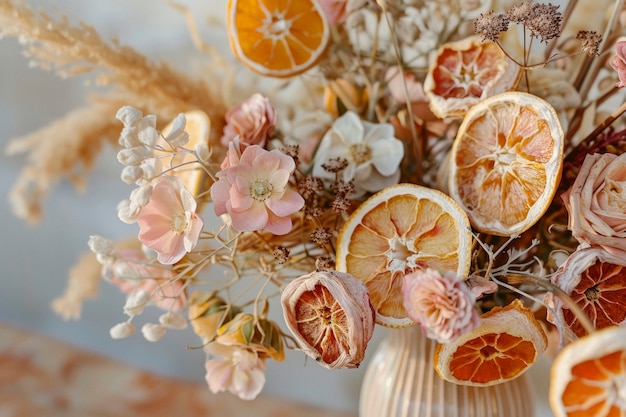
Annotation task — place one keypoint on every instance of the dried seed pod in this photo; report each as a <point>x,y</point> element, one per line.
<point>330,315</point>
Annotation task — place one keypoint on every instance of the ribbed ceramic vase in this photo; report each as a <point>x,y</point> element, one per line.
<point>401,381</point>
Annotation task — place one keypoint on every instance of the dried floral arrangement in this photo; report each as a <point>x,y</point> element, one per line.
<point>456,165</point>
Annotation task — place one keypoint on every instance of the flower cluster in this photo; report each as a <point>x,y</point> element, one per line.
<point>348,192</point>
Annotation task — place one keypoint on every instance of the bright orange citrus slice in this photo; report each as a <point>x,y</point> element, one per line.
<point>588,377</point>
<point>508,340</point>
<point>182,164</point>
<point>506,162</point>
<point>400,229</point>
<point>596,281</point>
<point>277,38</point>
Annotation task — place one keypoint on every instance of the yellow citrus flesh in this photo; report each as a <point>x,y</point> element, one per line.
<point>506,162</point>
<point>400,229</point>
<point>182,165</point>
<point>503,347</point>
<point>588,376</point>
<point>277,38</point>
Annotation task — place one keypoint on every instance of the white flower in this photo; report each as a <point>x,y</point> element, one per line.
<point>372,152</point>
<point>239,371</point>
<point>153,332</point>
<point>177,136</point>
<point>100,245</point>
<point>136,302</point>
<point>172,320</point>
<point>122,330</point>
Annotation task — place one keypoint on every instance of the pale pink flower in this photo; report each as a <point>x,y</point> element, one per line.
<point>255,192</point>
<point>618,62</point>
<point>253,120</point>
<point>596,202</point>
<point>441,304</point>
<point>168,224</point>
<point>335,10</point>
<point>238,371</point>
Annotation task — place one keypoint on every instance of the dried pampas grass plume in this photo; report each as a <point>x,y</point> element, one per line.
<point>55,151</point>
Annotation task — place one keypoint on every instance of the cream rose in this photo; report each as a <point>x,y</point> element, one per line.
<point>596,202</point>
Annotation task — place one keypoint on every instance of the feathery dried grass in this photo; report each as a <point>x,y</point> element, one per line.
<point>70,50</point>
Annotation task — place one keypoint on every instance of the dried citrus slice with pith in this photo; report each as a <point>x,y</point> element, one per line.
<point>277,38</point>
<point>181,164</point>
<point>588,377</point>
<point>508,340</point>
<point>596,281</point>
<point>400,229</point>
<point>465,72</point>
<point>506,162</point>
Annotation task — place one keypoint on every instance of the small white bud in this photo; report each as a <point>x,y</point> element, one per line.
<point>124,270</point>
<point>136,302</point>
<point>122,330</point>
<point>177,136</point>
<point>153,332</point>
<point>105,259</point>
<point>173,320</point>
<point>128,115</point>
<point>151,167</point>
<point>133,156</point>
<point>141,195</point>
<point>202,153</point>
<point>128,212</point>
<point>131,174</point>
<point>100,245</point>
<point>148,136</point>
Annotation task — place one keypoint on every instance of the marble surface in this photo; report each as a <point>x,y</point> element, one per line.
<point>35,261</point>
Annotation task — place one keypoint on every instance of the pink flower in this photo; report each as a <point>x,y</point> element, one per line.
<point>253,120</point>
<point>618,62</point>
<point>255,192</point>
<point>240,371</point>
<point>168,224</point>
<point>441,304</point>
<point>335,10</point>
<point>596,202</point>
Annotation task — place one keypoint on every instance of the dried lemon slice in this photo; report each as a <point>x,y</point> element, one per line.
<point>398,230</point>
<point>503,347</point>
<point>277,38</point>
<point>506,162</point>
<point>588,377</point>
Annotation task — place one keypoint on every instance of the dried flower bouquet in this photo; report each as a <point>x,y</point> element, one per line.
<point>400,162</point>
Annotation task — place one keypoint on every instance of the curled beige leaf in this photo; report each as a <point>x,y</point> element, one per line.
<point>330,315</point>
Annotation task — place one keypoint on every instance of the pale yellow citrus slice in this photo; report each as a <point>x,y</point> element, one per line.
<point>400,229</point>
<point>182,164</point>
<point>277,38</point>
<point>508,340</point>
<point>588,377</point>
<point>506,162</point>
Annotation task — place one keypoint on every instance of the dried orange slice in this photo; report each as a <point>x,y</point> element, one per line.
<point>182,164</point>
<point>506,162</point>
<point>596,281</point>
<point>588,377</point>
<point>508,340</point>
<point>466,72</point>
<point>398,230</point>
<point>277,38</point>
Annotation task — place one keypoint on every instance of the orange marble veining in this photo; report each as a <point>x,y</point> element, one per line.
<point>43,377</point>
